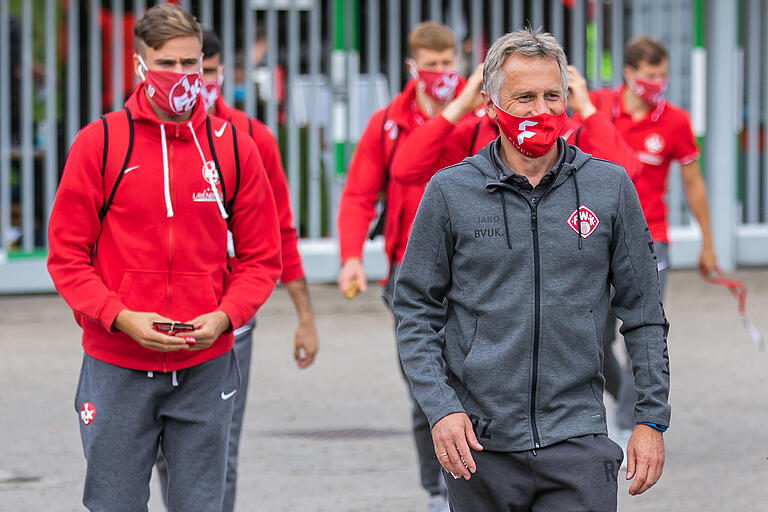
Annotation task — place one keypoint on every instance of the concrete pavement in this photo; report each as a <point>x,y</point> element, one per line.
<point>335,437</point>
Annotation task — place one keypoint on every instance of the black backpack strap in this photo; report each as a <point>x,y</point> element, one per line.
<point>474,138</point>
<point>108,202</point>
<point>216,159</point>
<point>105,146</point>
<point>576,137</point>
<point>237,164</point>
<point>378,228</point>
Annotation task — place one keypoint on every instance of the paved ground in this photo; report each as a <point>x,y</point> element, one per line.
<point>334,437</point>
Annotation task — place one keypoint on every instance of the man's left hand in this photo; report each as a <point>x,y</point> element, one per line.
<point>645,458</point>
<point>305,344</point>
<point>208,327</point>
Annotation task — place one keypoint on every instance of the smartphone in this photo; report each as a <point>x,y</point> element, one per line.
<point>171,328</point>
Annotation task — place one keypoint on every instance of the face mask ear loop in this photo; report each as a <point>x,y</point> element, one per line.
<point>412,69</point>
<point>142,74</point>
<point>220,74</point>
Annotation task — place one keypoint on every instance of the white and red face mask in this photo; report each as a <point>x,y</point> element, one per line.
<point>211,91</point>
<point>438,85</point>
<point>532,136</point>
<point>651,92</point>
<point>175,93</point>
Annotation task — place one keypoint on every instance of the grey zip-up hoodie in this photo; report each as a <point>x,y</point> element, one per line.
<point>522,292</point>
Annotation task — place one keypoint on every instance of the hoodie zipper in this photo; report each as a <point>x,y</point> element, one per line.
<point>536,320</point>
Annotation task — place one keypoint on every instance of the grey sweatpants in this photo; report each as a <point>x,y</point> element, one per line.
<point>619,380</point>
<point>429,467</point>
<point>576,475</point>
<point>242,349</point>
<point>127,415</point>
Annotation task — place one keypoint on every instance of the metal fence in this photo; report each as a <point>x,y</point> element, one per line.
<point>314,71</point>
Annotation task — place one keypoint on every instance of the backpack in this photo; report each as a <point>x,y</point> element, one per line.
<point>119,120</point>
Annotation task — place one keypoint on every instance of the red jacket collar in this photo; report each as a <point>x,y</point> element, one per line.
<point>141,111</point>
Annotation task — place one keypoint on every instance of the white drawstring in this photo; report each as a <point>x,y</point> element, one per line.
<point>166,184</point>
<point>209,178</point>
<point>174,380</point>
<point>151,375</point>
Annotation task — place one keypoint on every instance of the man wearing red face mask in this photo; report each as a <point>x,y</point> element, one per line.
<point>138,249</point>
<point>659,133</point>
<point>501,299</point>
<point>435,87</point>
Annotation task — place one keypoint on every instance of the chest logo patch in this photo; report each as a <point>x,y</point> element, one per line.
<point>587,218</point>
<point>654,143</point>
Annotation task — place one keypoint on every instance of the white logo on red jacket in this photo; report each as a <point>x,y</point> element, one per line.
<point>184,94</point>
<point>209,176</point>
<point>654,143</point>
<point>589,221</point>
<point>87,413</point>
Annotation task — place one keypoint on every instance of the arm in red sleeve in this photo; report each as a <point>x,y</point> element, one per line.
<point>73,229</point>
<point>289,240</point>
<point>365,180</point>
<point>418,156</point>
<point>599,137</point>
<point>256,235</point>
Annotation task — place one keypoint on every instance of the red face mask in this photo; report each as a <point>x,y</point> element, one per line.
<point>210,93</point>
<point>531,136</point>
<point>650,92</point>
<point>438,85</point>
<point>175,93</point>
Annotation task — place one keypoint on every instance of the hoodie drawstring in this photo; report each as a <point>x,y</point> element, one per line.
<point>209,177</point>
<point>506,224</point>
<point>174,380</point>
<point>578,208</point>
<point>166,184</point>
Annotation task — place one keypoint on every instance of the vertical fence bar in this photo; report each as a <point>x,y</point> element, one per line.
<point>393,47</point>
<point>537,13</point>
<point>576,54</point>
<point>5,127</point>
<point>94,60</point>
<point>675,204</point>
<point>51,128</point>
<point>516,16</point>
<point>27,147</point>
<point>436,10</point>
<point>752,181</point>
<point>73,71</point>
<point>556,23</point>
<point>272,66</point>
<point>414,13</point>
<point>249,37</point>
<point>477,33</point>
<point>638,15</point>
<point>617,42</point>
<point>117,54</point>
<point>292,130</point>
<point>228,48</point>
<point>374,40</point>
<point>315,171</point>
<point>206,12</point>
<point>764,83</point>
<point>497,21</point>
<point>597,43</point>
<point>657,18</point>
<point>184,4</point>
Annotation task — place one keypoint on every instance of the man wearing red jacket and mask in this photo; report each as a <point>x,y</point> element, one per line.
<point>292,277</point>
<point>435,87</point>
<point>136,259</point>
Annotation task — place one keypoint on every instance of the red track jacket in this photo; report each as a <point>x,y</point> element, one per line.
<point>162,245</point>
<point>270,155</point>
<point>367,176</point>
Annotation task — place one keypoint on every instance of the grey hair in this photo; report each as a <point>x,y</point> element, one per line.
<point>527,43</point>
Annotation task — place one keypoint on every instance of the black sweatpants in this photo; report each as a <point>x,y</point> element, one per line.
<point>576,475</point>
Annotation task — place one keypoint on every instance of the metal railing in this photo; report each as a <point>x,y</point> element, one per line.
<point>314,71</point>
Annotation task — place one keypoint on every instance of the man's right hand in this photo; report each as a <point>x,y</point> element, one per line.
<point>453,436</point>
<point>351,270</point>
<point>138,325</point>
<point>468,100</point>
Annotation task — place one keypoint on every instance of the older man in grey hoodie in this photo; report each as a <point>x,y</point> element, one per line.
<point>502,296</point>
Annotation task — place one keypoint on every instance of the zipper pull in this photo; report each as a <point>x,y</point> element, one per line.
<point>536,446</point>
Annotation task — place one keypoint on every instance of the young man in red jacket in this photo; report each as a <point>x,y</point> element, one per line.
<point>659,133</point>
<point>138,243</point>
<point>434,88</point>
<point>292,277</point>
